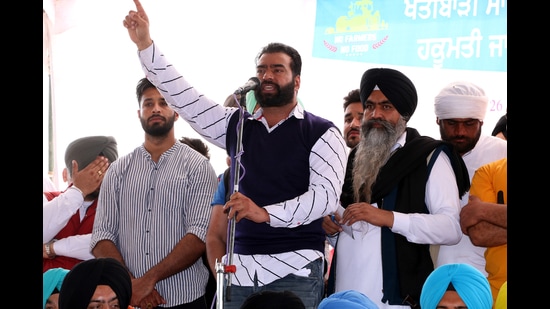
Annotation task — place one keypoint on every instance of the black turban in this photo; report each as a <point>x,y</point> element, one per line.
<point>84,150</point>
<point>397,87</point>
<point>81,281</point>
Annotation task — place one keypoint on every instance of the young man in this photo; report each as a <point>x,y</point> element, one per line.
<point>406,197</point>
<point>460,108</point>
<point>292,166</point>
<point>154,211</point>
<point>353,114</point>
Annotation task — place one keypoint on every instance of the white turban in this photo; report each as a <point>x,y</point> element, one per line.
<point>461,100</point>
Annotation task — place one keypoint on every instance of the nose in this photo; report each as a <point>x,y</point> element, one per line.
<point>267,75</point>
<point>356,122</point>
<point>376,113</point>
<point>460,128</point>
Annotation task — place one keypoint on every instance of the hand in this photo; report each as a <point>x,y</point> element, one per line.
<point>89,179</point>
<point>471,213</point>
<point>145,294</point>
<point>331,225</point>
<point>239,206</point>
<point>366,212</point>
<point>137,24</point>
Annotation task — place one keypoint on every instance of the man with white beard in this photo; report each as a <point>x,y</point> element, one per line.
<point>406,197</point>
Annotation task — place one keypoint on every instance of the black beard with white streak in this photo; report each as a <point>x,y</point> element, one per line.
<point>373,151</point>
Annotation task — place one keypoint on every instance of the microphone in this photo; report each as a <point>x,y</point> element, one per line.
<point>252,83</point>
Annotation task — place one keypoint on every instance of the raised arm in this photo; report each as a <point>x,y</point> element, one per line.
<point>137,24</point>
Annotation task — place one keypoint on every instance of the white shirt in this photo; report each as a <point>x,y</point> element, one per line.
<point>359,262</point>
<point>55,215</point>
<point>487,149</point>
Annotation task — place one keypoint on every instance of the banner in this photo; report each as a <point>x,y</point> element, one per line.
<point>450,34</point>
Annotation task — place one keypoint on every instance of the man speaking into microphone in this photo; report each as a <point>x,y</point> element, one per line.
<point>292,170</point>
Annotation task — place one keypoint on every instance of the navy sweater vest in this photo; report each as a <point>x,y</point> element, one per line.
<point>275,168</point>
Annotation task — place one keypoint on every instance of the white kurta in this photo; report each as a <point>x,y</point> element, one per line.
<point>487,149</point>
<point>359,261</point>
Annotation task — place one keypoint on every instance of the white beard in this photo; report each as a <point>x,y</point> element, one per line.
<point>373,151</point>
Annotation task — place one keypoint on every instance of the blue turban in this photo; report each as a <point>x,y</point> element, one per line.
<point>397,87</point>
<point>470,284</point>
<point>348,299</point>
<point>52,279</point>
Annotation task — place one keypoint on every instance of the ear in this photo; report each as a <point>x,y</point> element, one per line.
<point>65,174</point>
<point>177,116</point>
<point>297,81</point>
<point>437,120</point>
<point>139,113</point>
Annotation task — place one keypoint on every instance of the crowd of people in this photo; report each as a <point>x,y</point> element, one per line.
<point>410,221</point>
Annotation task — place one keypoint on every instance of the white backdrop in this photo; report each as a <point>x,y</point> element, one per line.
<point>213,44</point>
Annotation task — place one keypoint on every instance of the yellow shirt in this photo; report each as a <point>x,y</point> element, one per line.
<point>488,180</point>
<point>502,298</point>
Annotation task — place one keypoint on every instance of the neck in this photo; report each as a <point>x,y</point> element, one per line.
<point>157,145</point>
<point>275,114</point>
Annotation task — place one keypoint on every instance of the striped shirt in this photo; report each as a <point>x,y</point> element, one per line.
<point>145,208</point>
<point>326,164</point>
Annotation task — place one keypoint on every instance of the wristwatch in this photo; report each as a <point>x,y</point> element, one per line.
<point>49,252</point>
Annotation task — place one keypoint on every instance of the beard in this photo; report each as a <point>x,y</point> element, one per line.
<point>373,151</point>
<point>158,129</point>
<point>461,148</point>
<point>94,195</point>
<point>285,95</point>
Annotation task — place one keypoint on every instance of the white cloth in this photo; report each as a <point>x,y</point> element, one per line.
<point>55,215</point>
<point>359,262</point>
<point>461,100</point>
<point>47,184</point>
<point>487,149</point>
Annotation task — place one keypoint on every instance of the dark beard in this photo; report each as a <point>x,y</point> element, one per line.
<point>373,151</point>
<point>94,195</point>
<point>157,129</point>
<point>285,96</point>
<point>460,148</point>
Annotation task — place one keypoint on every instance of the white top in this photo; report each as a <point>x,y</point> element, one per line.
<point>55,215</point>
<point>359,262</point>
<point>487,149</point>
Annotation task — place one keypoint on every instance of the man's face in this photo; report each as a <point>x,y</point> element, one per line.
<point>156,116</point>
<point>104,297</point>
<point>53,301</point>
<point>379,109</point>
<point>463,133</point>
<point>353,114</point>
<point>278,87</point>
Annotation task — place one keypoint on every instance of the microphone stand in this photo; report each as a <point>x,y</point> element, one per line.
<point>225,271</point>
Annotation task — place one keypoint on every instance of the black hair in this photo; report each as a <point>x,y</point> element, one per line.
<point>353,96</point>
<point>142,85</point>
<point>296,59</point>
<point>197,144</point>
